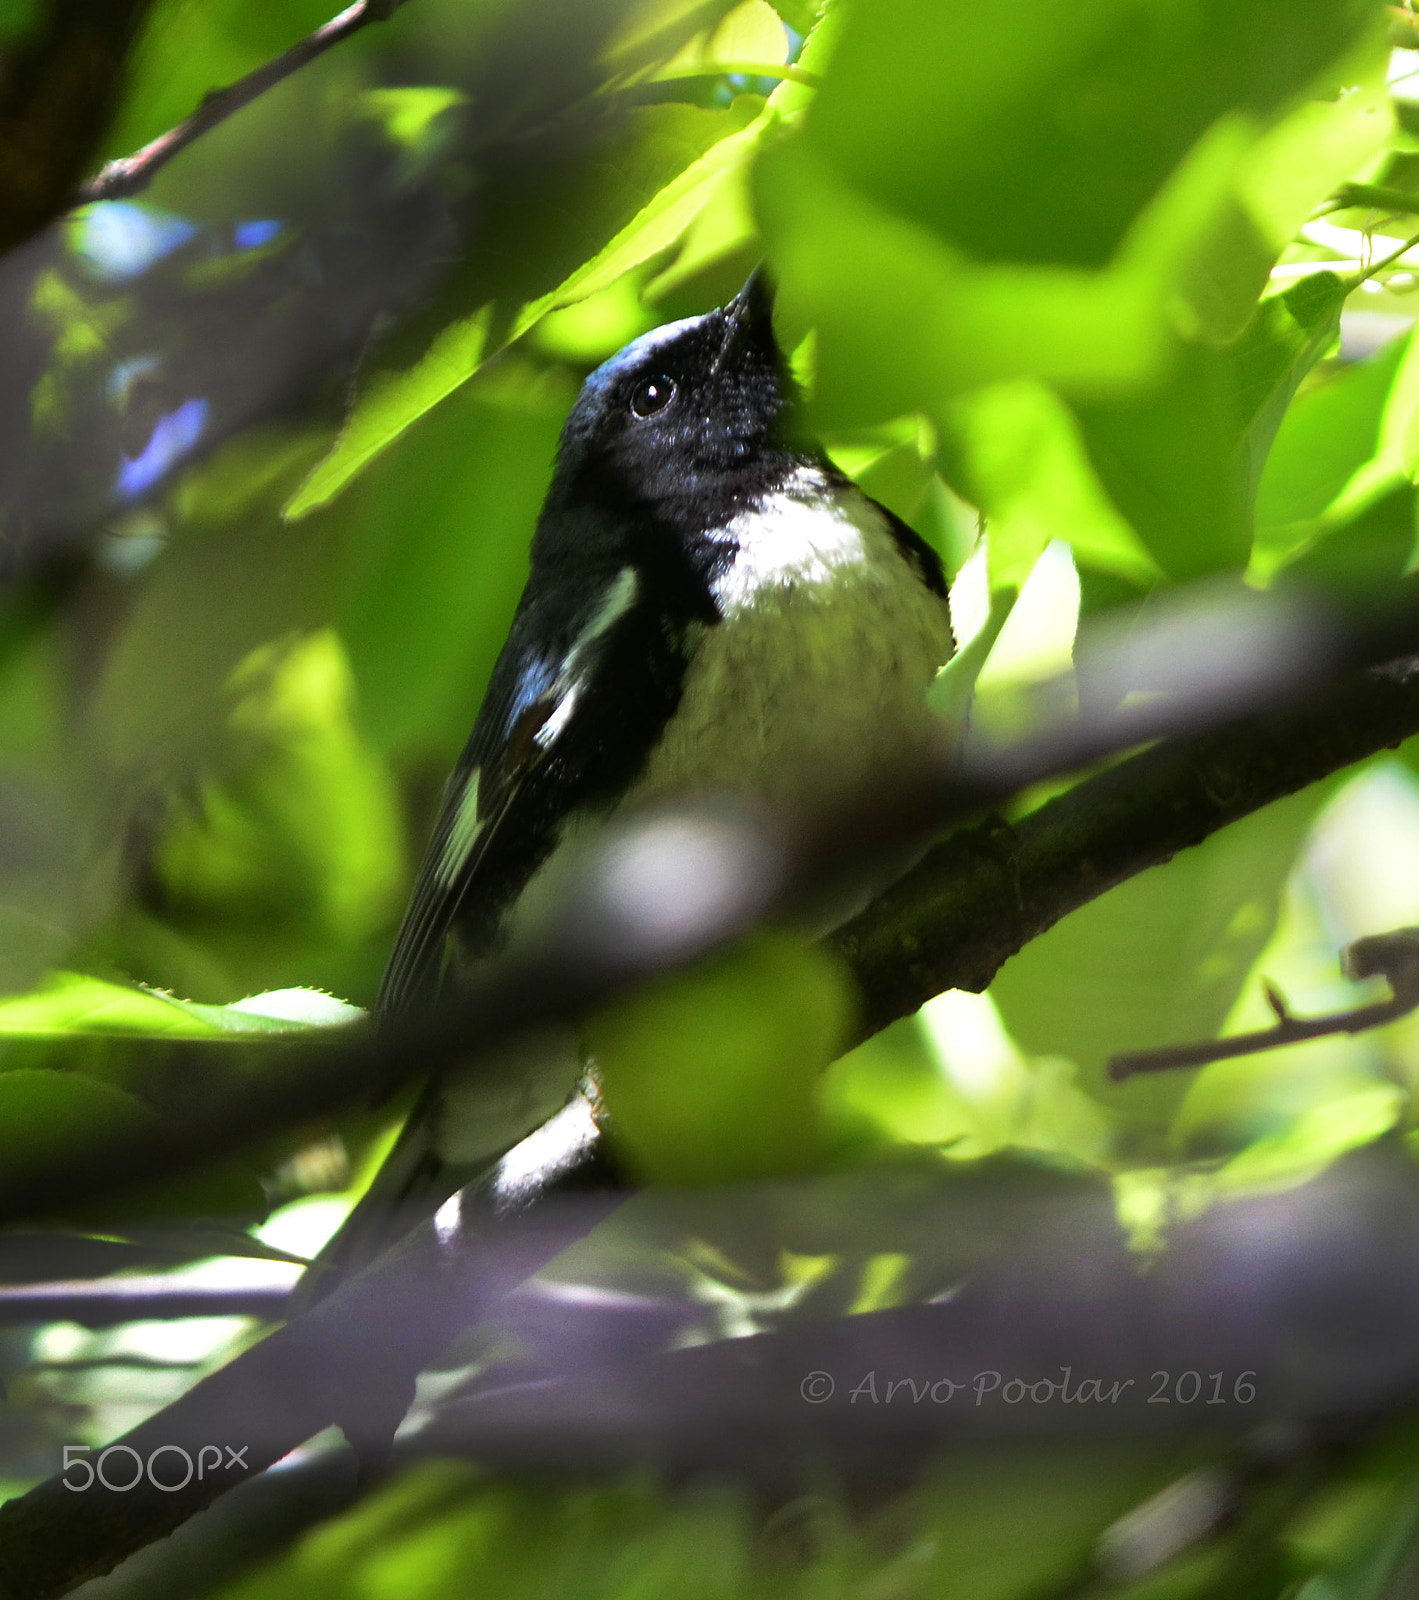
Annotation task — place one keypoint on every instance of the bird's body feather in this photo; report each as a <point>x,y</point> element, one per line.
<point>710,610</point>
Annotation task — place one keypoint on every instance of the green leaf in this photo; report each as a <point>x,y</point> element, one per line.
<point>1321,142</point>
<point>1328,433</point>
<point>433,556</point>
<point>1045,143</point>
<point>1366,540</point>
<point>390,404</point>
<point>70,1003</point>
<point>298,820</point>
<point>683,155</point>
<point>1019,456</point>
<point>1182,463</point>
<point>1158,960</point>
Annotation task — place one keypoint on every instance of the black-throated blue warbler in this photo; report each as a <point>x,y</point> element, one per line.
<point>712,608</point>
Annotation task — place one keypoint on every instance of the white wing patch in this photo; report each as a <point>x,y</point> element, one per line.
<point>571,680</point>
<point>462,836</point>
<point>616,602</point>
<point>620,596</point>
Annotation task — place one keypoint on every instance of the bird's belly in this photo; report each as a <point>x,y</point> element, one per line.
<point>809,693</point>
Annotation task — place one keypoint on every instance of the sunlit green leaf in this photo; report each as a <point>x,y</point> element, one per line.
<point>70,1003</point>
<point>1182,462</point>
<point>698,149</point>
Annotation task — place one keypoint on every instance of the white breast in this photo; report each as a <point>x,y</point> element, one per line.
<point>814,683</point>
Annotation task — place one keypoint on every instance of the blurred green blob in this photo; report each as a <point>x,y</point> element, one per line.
<point>891,1090</point>
<point>709,1076</point>
<point>1322,141</point>
<point>19,17</point>
<point>1158,960</point>
<point>872,281</point>
<point>443,1529</point>
<point>299,820</point>
<point>594,328</point>
<point>419,120</point>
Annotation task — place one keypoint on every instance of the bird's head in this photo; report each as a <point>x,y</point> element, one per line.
<point>683,412</point>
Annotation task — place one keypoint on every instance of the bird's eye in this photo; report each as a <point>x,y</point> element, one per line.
<point>653,395</point>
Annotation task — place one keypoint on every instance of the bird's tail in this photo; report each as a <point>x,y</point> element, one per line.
<point>460,1129</point>
<point>411,1184</point>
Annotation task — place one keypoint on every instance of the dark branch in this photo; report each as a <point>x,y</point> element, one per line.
<point>130,175</point>
<point>986,891</point>
<point>1392,956</point>
<point>58,90</point>
<point>351,1360</point>
<point>973,901</point>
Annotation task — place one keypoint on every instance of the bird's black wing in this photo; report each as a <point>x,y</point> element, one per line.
<point>917,551</point>
<point>579,695</point>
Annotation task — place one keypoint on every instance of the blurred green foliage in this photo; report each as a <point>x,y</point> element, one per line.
<point>1056,290</point>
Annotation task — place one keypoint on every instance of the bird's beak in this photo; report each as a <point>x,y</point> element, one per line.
<point>749,318</point>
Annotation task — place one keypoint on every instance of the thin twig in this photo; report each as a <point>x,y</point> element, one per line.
<point>1374,196</point>
<point>1392,956</point>
<point>1384,261</point>
<point>105,1302</point>
<point>130,175</point>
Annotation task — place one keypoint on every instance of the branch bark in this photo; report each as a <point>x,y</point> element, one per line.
<point>986,891</point>
<point>58,90</point>
<point>350,1360</point>
<point>130,175</point>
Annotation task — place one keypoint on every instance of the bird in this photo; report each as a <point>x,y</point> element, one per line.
<point>712,609</point>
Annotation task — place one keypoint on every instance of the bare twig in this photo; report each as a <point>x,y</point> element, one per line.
<point>1373,196</point>
<point>105,1302</point>
<point>1392,956</point>
<point>130,175</point>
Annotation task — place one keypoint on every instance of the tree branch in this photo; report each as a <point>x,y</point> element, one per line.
<point>971,902</point>
<point>986,891</point>
<point>130,175</point>
<point>58,89</point>
<point>1392,956</point>
<point>350,1360</point>
<point>106,1302</point>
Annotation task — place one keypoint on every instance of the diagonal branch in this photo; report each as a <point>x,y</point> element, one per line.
<point>130,175</point>
<point>986,891</point>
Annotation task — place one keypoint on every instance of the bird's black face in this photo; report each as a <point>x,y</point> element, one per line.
<point>686,416</point>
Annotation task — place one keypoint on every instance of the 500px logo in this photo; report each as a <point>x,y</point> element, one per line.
<point>173,1458</point>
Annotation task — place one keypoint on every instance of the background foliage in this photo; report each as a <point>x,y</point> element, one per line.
<point>1067,291</point>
